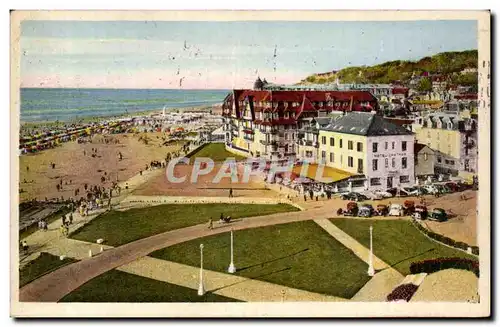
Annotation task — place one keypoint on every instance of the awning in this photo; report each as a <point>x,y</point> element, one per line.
<point>329,175</point>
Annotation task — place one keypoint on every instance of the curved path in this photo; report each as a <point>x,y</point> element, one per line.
<point>54,286</point>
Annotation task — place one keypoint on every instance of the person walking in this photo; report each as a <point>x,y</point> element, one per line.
<point>210,224</point>
<point>25,246</point>
<point>231,192</point>
<point>63,218</point>
<point>71,218</point>
<point>305,197</point>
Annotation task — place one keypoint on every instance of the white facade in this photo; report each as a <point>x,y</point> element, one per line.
<point>395,163</point>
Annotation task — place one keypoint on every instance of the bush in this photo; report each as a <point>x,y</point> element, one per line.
<point>402,292</point>
<point>433,265</point>
<point>446,240</point>
<point>462,245</point>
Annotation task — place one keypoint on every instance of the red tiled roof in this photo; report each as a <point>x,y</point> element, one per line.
<point>467,96</point>
<point>399,90</point>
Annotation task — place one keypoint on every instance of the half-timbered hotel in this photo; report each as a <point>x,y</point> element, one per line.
<point>271,124</point>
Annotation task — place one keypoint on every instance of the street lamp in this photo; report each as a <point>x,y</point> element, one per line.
<point>371,271</point>
<point>201,288</point>
<point>232,268</point>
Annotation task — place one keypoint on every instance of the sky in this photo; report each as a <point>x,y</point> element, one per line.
<point>220,55</point>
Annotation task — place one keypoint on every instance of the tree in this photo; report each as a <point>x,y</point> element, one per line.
<point>424,85</point>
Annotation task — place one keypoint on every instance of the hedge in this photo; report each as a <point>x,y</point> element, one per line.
<point>402,292</point>
<point>433,265</point>
<point>446,240</point>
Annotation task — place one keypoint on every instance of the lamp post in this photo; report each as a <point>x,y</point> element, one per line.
<point>371,271</point>
<point>201,288</point>
<point>232,268</point>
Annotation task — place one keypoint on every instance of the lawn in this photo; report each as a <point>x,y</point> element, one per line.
<point>42,265</point>
<point>118,286</point>
<point>216,151</point>
<point>299,255</point>
<point>396,242</point>
<point>121,227</point>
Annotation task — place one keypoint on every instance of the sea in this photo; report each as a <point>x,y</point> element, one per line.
<point>44,105</point>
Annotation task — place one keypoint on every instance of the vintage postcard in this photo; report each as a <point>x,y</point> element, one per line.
<point>250,164</point>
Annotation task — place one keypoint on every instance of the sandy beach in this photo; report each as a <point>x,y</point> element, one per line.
<point>76,168</point>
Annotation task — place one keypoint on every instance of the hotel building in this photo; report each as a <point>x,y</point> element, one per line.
<point>264,123</point>
<point>378,153</point>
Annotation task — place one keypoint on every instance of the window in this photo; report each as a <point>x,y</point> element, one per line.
<point>452,162</point>
<point>403,145</point>
<point>341,157</point>
<point>350,162</point>
<point>393,162</point>
<point>331,157</point>
<point>349,145</point>
<point>393,144</point>
<point>375,164</point>
<point>360,166</point>
<point>386,163</point>
<point>404,162</point>
<point>323,154</point>
<point>332,141</point>
<point>359,146</point>
<point>386,145</point>
<point>447,162</point>
<point>375,181</point>
<point>340,143</point>
<point>439,159</point>
<point>426,156</point>
<point>323,139</point>
<point>404,179</point>
<point>375,147</point>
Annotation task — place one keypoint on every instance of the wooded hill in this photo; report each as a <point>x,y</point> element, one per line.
<point>446,63</point>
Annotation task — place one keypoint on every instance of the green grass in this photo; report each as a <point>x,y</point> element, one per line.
<point>299,255</point>
<point>216,151</point>
<point>118,286</point>
<point>396,242</point>
<point>42,265</point>
<point>121,227</point>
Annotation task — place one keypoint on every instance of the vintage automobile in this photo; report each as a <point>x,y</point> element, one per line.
<point>438,214</point>
<point>396,210</point>
<point>431,189</point>
<point>397,192</point>
<point>353,196</point>
<point>383,194</point>
<point>382,210</point>
<point>420,212</point>
<point>409,207</point>
<point>365,210</point>
<point>351,209</point>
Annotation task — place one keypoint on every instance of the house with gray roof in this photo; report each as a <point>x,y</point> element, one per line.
<point>378,153</point>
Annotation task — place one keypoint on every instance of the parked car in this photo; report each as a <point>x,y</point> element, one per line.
<point>382,210</point>
<point>422,190</point>
<point>409,207</point>
<point>453,186</point>
<point>353,196</point>
<point>372,195</point>
<point>420,212</point>
<point>394,192</point>
<point>412,191</point>
<point>396,210</point>
<point>365,210</point>
<point>431,189</point>
<point>351,209</point>
<point>438,214</point>
<point>383,194</point>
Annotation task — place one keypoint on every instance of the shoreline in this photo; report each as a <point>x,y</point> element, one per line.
<point>97,119</point>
